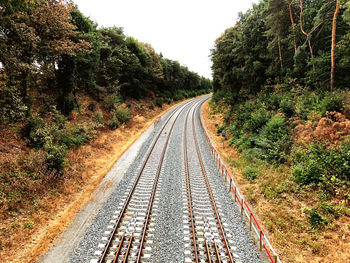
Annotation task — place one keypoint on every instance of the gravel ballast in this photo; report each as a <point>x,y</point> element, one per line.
<point>167,230</point>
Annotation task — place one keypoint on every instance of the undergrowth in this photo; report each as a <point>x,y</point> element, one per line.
<point>306,132</point>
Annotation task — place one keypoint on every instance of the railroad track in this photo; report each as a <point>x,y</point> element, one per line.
<point>207,241</point>
<point>126,237</point>
<point>131,233</point>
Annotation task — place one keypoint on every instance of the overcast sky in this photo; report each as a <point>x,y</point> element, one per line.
<point>182,30</point>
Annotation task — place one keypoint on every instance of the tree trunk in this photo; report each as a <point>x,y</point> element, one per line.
<point>334,27</point>
<point>293,25</point>
<point>280,51</point>
<point>305,33</point>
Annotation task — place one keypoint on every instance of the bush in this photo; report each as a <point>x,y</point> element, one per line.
<point>111,101</point>
<point>159,103</point>
<point>287,107</point>
<point>318,164</point>
<point>251,173</point>
<point>123,115</point>
<point>315,219</point>
<point>331,103</point>
<point>73,137</point>
<point>275,129</point>
<point>98,118</point>
<point>12,107</point>
<point>257,121</point>
<point>35,132</point>
<point>92,106</point>
<point>55,156</point>
<point>167,100</point>
<point>59,120</point>
<point>113,123</point>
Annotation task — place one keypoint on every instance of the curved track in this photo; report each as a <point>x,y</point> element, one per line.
<point>208,236</point>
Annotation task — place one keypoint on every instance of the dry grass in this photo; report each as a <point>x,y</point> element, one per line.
<point>280,204</point>
<point>27,235</point>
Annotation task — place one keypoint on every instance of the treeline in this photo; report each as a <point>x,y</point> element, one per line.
<point>284,71</point>
<point>49,52</point>
<point>278,41</point>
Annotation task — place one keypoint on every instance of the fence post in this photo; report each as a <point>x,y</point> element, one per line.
<point>250,221</point>
<point>260,241</point>
<point>242,206</point>
<point>275,258</point>
<point>235,193</point>
<point>230,184</point>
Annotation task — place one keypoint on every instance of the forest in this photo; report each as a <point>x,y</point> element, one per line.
<point>284,71</point>
<point>281,80</point>
<point>50,53</point>
<point>66,83</point>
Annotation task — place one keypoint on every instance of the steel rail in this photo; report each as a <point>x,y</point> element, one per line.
<point>127,201</point>
<point>150,204</point>
<point>189,196</point>
<point>209,188</point>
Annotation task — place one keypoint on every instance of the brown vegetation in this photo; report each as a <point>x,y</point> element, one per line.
<point>333,128</point>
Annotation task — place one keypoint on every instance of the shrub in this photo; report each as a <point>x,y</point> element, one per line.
<point>111,101</point>
<point>35,132</point>
<point>12,107</point>
<point>113,123</point>
<point>123,115</point>
<point>28,224</point>
<point>257,121</point>
<point>159,103</point>
<point>55,156</point>
<point>315,219</point>
<point>73,137</point>
<point>167,100</point>
<point>59,120</point>
<point>251,173</point>
<point>319,164</point>
<point>331,103</point>
<point>98,118</point>
<point>178,96</point>
<point>287,107</point>
<point>92,106</point>
<point>275,129</point>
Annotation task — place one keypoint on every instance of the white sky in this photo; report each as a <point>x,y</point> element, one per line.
<point>182,30</point>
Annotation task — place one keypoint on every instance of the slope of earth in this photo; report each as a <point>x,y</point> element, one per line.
<point>280,206</point>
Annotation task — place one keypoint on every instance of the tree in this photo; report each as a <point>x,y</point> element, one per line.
<point>333,44</point>
<point>293,24</point>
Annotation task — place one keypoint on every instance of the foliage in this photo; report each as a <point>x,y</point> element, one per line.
<point>35,132</point>
<point>251,173</point>
<point>73,137</point>
<point>315,219</point>
<point>123,115</point>
<point>319,164</point>
<point>159,103</point>
<point>55,156</point>
<point>264,48</point>
<point>111,101</point>
<point>113,123</point>
<point>51,48</point>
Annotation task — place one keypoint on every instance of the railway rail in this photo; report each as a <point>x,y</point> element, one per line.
<point>208,236</point>
<point>126,240</point>
<point>131,233</point>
